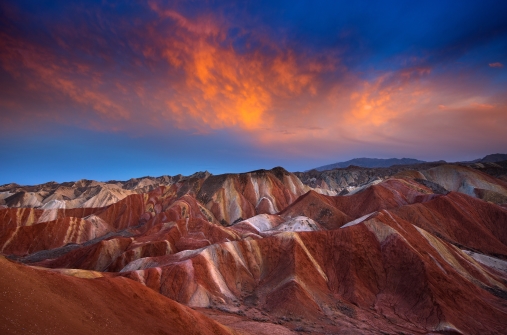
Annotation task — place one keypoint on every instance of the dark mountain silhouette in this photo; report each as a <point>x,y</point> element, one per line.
<point>371,163</point>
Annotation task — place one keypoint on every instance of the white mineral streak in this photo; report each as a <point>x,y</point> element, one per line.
<point>255,187</point>
<point>263,222</point>
<point>297,239</point>
<point>358,220</point>
<point>298,223</point>
<point>211,260</point>
<point>354,190</point>
<point>200,298</point>
<point>492,262</point>
<point>379,229</point>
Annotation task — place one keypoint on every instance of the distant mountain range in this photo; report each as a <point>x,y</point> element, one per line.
<point>371,163</point>
<point>380,162</point>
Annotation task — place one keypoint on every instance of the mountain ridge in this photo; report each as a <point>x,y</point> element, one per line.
<point>370,162</point>
<point>367,162</point>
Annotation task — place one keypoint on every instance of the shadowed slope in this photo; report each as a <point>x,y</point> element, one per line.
<point>334,211</point>
<point>320,208</point>
<point>389,194</point>
<point>461,220</point>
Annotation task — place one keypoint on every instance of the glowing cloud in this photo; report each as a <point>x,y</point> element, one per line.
<point>222,88</point>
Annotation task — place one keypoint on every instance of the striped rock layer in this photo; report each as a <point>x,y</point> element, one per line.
<point>424,252</point>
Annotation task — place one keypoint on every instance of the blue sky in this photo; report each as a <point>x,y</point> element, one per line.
<point>119,89</point>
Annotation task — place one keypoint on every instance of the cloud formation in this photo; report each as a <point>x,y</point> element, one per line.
<point>269,77</point>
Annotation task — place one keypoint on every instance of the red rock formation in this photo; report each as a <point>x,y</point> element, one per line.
<point>320,208</point>
<point>383,271</point>
<point>461,220</point>
<point>49,235</point>
<point>162,239</point>
<point>25,230</point>
<point>391,193</point>
<point>236,197</point>
<point>334,211</point>
<point>391,257</point>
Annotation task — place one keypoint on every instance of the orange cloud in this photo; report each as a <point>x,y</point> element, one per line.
<point>385,98</point>
<point>222,88</point>
<point>197,79</point>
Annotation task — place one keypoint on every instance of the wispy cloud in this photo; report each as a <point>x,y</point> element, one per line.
<point>496,64</point>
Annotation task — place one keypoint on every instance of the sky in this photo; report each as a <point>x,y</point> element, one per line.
<point>110,90</point>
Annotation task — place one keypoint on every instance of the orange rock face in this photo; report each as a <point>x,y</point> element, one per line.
<point>263,250</point>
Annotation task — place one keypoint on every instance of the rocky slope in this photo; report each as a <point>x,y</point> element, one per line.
<point>417,251</point>
<point>380,274</point>
<point>442,176</point>
<point>496,169</point>
<point>345,180</point>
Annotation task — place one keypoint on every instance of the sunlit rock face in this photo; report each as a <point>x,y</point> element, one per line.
<point>422,251</point>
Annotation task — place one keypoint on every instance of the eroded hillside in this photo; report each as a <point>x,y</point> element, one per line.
<point>406,251</point>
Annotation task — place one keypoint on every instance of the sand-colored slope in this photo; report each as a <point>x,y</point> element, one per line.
<point>42,302</point>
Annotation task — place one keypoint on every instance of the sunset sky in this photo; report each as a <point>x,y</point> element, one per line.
<point>119,89</point>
